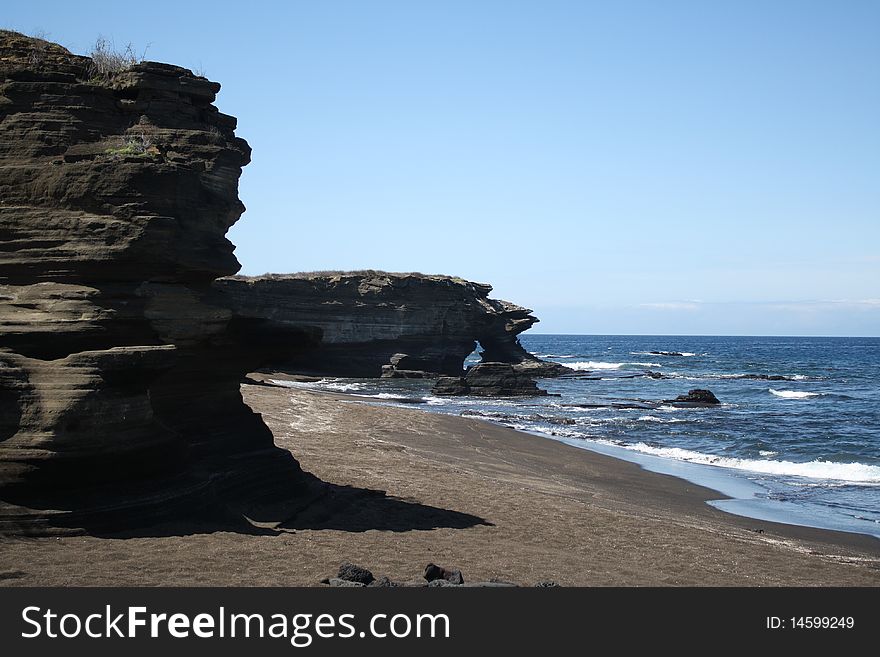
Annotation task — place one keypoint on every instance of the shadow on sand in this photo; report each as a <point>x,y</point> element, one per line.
<point>302,502</point>
<point>350,509</point>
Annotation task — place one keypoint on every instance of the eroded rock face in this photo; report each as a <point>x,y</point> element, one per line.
<point>119,370</point>
<point>382,324</point>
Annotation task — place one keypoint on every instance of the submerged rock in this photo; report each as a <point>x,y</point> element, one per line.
<point>655,375</point>
<point>764,377</point>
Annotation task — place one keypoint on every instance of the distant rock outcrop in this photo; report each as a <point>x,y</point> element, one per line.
<point>383,324</point>
<point>119,369</point>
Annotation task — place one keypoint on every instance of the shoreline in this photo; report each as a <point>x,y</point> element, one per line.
<point>693,490</point>
<point>412,487</point>
<point>737,492</point>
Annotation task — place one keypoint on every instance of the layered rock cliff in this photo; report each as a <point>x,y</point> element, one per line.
<point>379,323</point>
<point>119,370</point>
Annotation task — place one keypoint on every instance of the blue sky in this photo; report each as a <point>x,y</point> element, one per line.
<point>626,167</point>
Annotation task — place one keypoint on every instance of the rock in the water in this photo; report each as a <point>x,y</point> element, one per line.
<point>696,396</point>
<point>490,380</point>
<point>352,573</point>
<point>567,421</point>
<point>448,386</point>
<point>764,377</point>
<point>434,572</point>
<point>119,369</point>
<point>385,324</point>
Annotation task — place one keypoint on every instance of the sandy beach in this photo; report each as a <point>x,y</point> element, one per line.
<point>463,493</point>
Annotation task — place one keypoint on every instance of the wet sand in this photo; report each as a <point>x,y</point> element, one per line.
<point>463,493</point>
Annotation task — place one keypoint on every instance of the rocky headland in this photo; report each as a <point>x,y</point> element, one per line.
<point>119,368</point>
<point>385,324</point>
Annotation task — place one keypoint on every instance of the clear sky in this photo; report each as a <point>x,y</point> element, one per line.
<point>621,167</point>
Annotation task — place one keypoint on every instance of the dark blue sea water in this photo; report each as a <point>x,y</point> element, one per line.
<point>804,449</point>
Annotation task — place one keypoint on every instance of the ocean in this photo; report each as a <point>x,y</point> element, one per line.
<point>796,438</point>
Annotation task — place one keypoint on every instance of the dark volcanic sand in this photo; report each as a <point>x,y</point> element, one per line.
<point>462,493</point>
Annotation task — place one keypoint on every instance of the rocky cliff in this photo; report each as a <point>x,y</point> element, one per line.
<point>379,323</point>
<point>119,370</point>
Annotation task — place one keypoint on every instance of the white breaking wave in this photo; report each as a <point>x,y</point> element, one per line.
<point>552,355</point>
<point>662,353</point>
<point>556,431</point>
<point>291,384</point>
<point>794,394</point>
<point>323,384</point>
<point>593,365</point>
<point>679,409</point>
<point>602,365</point>
<point>342,387</point>
<point>435,401</point>
<point>386,395</point>
<point>654,418</point>
<point>851,472</point>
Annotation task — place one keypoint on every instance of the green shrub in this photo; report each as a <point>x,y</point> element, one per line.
<point>134,145</point>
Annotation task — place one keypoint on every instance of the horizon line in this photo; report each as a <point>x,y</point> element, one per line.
<point>701,335</point>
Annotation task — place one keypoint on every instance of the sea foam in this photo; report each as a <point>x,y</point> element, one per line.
<point>794,394</point>
<point>323,384</point>
<point>859,473</point>
<point>387,395</point>
<point>602,365</point>
<point>593,365</point>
